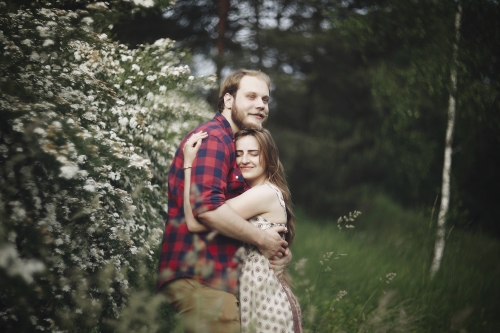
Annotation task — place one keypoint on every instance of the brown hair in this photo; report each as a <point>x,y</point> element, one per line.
<point>232,83</point>
<point>275,172</point>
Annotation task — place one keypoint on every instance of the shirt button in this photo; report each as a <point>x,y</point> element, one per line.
<point>236,177</point>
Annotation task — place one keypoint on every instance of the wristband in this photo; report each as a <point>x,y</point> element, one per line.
<point>189,167</point>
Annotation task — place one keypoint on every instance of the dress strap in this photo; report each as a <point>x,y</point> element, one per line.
<point>280,197</point>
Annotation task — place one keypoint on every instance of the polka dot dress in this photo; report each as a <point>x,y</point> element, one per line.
<point>267,303</point>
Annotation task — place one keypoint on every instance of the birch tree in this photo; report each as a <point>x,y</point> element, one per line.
<point>445,187</point>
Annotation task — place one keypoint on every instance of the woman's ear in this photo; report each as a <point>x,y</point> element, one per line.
<point>228,101</point>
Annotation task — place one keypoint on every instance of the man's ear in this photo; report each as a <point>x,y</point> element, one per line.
<point>228,101</point>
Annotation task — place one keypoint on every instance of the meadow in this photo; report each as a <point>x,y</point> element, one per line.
<point>375,277</point>
<point>463,297</point>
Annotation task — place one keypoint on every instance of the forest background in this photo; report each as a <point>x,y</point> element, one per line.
<point>359,109</point>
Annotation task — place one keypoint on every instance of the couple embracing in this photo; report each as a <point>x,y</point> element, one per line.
<point>225,246</point>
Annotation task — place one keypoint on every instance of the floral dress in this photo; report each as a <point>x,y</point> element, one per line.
<point>267,303</point>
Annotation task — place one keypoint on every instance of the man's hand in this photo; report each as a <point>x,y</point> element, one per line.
<point>280,262</point>
<point>271,243</point>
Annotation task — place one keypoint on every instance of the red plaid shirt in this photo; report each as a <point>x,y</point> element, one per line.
<point>204,257</point>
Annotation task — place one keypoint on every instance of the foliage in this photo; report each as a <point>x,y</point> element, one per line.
<point>88,128</point>
<point>360,92</point>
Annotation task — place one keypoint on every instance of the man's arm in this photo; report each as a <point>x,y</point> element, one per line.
<point>227,222</point>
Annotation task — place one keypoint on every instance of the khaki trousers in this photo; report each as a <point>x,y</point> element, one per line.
<point>201,308</point>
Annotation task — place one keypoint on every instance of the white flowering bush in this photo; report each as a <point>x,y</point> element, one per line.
<point>88,128</point>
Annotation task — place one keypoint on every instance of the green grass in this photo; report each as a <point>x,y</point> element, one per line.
<point>464,296</point>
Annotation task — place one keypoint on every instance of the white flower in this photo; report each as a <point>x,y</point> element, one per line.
<point>151,77</point>
<point>81,159</point>
<point>135,67</point>
<point>133,122</point>
<point>26,42</point>
<point>144,3</point>
<point>39,130</point>
<point>43,31</point>
<point>123,121</point>
<point>34,56</point>
<point>68,171</point>
<point>163,88</point>
<point>138,161</point>
<point>48,42</point>
<point>14,265</point>
<point>87,20</point>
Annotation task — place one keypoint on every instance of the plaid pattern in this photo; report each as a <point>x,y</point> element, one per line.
<point>208,258</point>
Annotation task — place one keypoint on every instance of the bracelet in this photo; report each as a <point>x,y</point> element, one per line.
<point>189,167</point>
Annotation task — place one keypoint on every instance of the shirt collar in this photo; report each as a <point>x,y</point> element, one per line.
<point>227,127</point>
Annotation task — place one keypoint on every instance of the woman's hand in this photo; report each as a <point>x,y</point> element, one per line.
<point>191,148</point>
<point>280,262</point>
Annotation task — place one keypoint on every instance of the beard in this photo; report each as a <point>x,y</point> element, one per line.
<point>238,118</point>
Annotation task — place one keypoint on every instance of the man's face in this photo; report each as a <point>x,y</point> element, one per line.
<point>250,107</point>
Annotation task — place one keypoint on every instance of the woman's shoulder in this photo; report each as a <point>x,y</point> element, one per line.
<point>266,192</point>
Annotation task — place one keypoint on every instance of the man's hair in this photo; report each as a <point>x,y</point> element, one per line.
<point>232,83</point>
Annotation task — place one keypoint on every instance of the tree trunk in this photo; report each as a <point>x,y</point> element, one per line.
<point>257,9</point>
<point>445,189</point>
<point>221,32</point>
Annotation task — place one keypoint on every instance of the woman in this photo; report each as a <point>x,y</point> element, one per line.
<point>267,303</point>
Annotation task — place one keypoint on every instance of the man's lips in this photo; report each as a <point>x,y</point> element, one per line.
<point>258,115</point>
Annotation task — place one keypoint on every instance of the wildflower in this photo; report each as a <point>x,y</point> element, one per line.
<point>389,277</point>
<point>340,295</point>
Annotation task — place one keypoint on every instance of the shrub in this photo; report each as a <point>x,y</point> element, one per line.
<point>88,128</point>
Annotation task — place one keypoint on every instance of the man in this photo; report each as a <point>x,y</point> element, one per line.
<point>199,273</point>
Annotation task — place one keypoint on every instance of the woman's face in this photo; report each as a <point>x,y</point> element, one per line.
<point>249,161</point>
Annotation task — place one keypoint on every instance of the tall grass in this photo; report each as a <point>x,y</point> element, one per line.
<point>463,297</point>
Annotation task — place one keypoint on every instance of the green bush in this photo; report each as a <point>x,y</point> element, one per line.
<point>88,128</point>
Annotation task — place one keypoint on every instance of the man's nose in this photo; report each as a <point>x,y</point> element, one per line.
<point>260,104</point>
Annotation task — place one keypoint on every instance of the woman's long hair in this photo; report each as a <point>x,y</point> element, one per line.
<point>275,172</point>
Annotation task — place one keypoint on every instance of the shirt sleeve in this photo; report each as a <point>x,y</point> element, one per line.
<point>209,175</point>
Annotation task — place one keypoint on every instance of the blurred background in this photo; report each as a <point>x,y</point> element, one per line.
<point>360,93</point>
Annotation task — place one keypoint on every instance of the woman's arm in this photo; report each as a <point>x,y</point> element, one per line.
<point>259,200</point>
<point>190,149</point>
